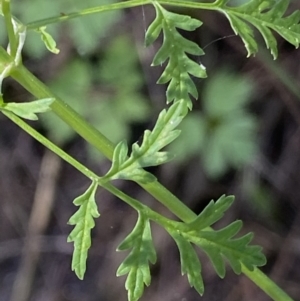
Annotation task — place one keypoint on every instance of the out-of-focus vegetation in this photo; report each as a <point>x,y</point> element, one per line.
<point>110,100</point>
<point>85,33</point>
<point>223,133</point>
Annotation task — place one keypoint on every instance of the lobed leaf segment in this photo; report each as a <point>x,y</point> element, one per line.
<point>264,15</point>
<point>28,110</point>
<point>175,49</point>
<point>218,245</point>
<point>148,154</point>
<point>83,219</point>
<point>136,264</point>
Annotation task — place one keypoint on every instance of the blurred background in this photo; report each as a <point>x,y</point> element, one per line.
<point>242,138</point>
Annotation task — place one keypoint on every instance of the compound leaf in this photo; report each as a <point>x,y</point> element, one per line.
<point>190,264</point>
<point>218,245</point>
<point>28,110</point>
<point>148,153</point>
<point>213,212</point>
<point>136,264</point>
<point>83,219</point>
<point>221,243</point>
<point>175,49</point>
<point>265,15</point>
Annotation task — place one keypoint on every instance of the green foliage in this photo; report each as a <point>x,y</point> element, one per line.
<point>217,245</point>
<point>213,212</point>
<point>174,49</point>
<point>121,103</point>
<point>190,263</point>
<point>236,250</point>
<point>148,154</point>
<point>48,40</point>
<point>224,133</point>
<point>264,15</point>
<point>112,104</point>
<point>226,130</point>
<point>136,264</point>
<point>83,219</point>
<point>28,110</point>
<point>74,92</point>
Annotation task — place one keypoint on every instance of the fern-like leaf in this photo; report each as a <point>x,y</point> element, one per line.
<point>221,243</point>
<point>218,245</point>
<point>83,219</point>
<point>148,154</point>
<point>265,15</point>
<point>190,264</point>
<point>174,49</point>
<point>136,264</point>
<point>213,212</point>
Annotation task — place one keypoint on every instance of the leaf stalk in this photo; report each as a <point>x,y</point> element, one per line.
<point>116,6</point>
<point>13,43</point>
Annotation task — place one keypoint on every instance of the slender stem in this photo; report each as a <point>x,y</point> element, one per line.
<point>115,6</point>
<point>122,196</point>
<point>50,145</point>
<point>189,4</point>
<point>266,284</point>
<point>169,200</point>
<point>13,43</point>
<point>151,214</point>
<point>85,12</point>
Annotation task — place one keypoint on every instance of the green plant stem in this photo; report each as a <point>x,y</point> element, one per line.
<point>266,284</point>
<point>47,143</point>
<point>85,12</point>
<point>152,215</point>
<point>116,6</point>
<point>13,43</point>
